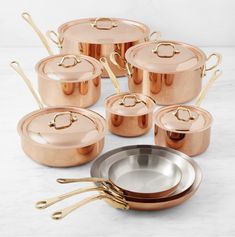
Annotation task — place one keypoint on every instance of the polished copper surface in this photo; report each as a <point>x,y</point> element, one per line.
<point>80,36</point>
<point>64,81</point>
<point>190,135</point>
<point>172,75</point>
<point>62,136</point>
<point>129,114</point>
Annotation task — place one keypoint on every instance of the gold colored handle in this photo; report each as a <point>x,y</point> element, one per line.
<point>113,56</point>
<point>54,37</point>
<point>190,116</point>
<point>155,36</point>
<point>27,17</point>
<point>76,60</point>
<point>136,100</point>
<point>72,119</point>
<point>16,66</point>
<point>97,20</point>
<point>216,74</point>
<point>218,61</point>
<point>112,76</point>
<point>174,50</point>
<point>78,180</point>
<point>48,202</point>
<point>65,211</point>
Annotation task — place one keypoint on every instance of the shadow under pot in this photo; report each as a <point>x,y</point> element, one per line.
<point>183,128</point>
<point>129,114</point>
<point>168,71</point>
<point>99,37</point>
<point>62,136</point>
<point>69,80</point>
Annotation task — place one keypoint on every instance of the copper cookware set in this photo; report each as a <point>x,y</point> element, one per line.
<point>64,134</point>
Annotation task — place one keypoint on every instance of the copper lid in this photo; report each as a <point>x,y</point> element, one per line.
<point>178,118</point>
<point>69,68</point>
<point>63,127</point>
<point>129,104</point>
<point>165,56</point>
<point>104,30</point>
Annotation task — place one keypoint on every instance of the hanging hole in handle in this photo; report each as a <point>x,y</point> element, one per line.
<point>96,25</point>
<point>218,58</point>
<point>54,37</point>
<point>177,114</point>
<point>62,124</point>
<point>155,36</point>
<point>41,204</point>
<point>166,44</point>
<point>26,16</point>
<point>75,59</point>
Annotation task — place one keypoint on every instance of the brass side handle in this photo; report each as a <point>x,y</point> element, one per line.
<point>99,19</point>
<point>54,37</point>
<point>177,115</point>
<point>174,50</point>
<point>72,119</point>
<point>218,58</point>
<point>155,36</point>
<point>75,59</point>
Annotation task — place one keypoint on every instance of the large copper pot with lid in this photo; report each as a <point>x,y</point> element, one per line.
<point>98,37</point>
<point>170,72</point>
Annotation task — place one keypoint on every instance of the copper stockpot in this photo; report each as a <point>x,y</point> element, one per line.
<point>98,37</point>
<point>69,80</point>
<point>60,136</point>
<point>185,128</point>
<point>170,72</point>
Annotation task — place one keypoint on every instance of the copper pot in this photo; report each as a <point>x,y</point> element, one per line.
<point>183,127</point>
<point>168,71</point>
<point>60,136</point>
<point>69,80</point>
<point>98,37</point>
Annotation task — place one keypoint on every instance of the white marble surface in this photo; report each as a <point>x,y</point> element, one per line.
<point>211,212</point>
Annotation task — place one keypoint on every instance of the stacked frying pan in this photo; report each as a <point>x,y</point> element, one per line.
<point>66,133</point>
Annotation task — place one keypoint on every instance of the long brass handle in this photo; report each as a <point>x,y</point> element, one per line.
<point>16,66</point>
<point>216,74</point>
<point>48,202</point>
<point>27,17</point>
<point>65,211</point>
<point>113,78</point>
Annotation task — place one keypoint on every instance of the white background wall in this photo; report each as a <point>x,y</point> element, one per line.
<point>200,22</point>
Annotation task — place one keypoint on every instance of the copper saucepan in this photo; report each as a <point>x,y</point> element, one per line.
<point>127,114</point>
<point>96,37</point>
<point>170,72</point>
<point>183,127</point>
<point>60,136</point>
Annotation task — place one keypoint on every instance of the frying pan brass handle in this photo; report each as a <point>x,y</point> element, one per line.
<point>174,50</point>
<point>113,58</point>
<point>27,17</point>
<point>97,20</point>
<point>134,97</point>
<point>72,119</point>
<point>218,61</point>
<point>177,115</point>
<point>155,36</point>
<point>75,59</point>
<point>54,37</point>
<point>112,200</point>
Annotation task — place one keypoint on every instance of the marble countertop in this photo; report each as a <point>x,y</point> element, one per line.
<point>210,212</point>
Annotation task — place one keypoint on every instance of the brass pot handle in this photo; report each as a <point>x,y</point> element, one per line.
<point>76,60</point>
<point>114,202</point>
<point>218,61</point>
<point>95,23</point>
<point>136,100</point>
<point>112,58</point>
<point>54,37</point>
<point>174,50</point>
<point>190,116</point>
<point>72,119</point>
<point>27,17</point>
<point>155,36</point>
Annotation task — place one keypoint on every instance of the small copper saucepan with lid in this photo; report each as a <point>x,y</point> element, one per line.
<point>127,114</point>
<point>60,136</point>
<point>184,127</point>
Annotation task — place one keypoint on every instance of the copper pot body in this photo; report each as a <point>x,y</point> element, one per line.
<point>166,89</point>
<point>129,126</point>
<point>81,94</point>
